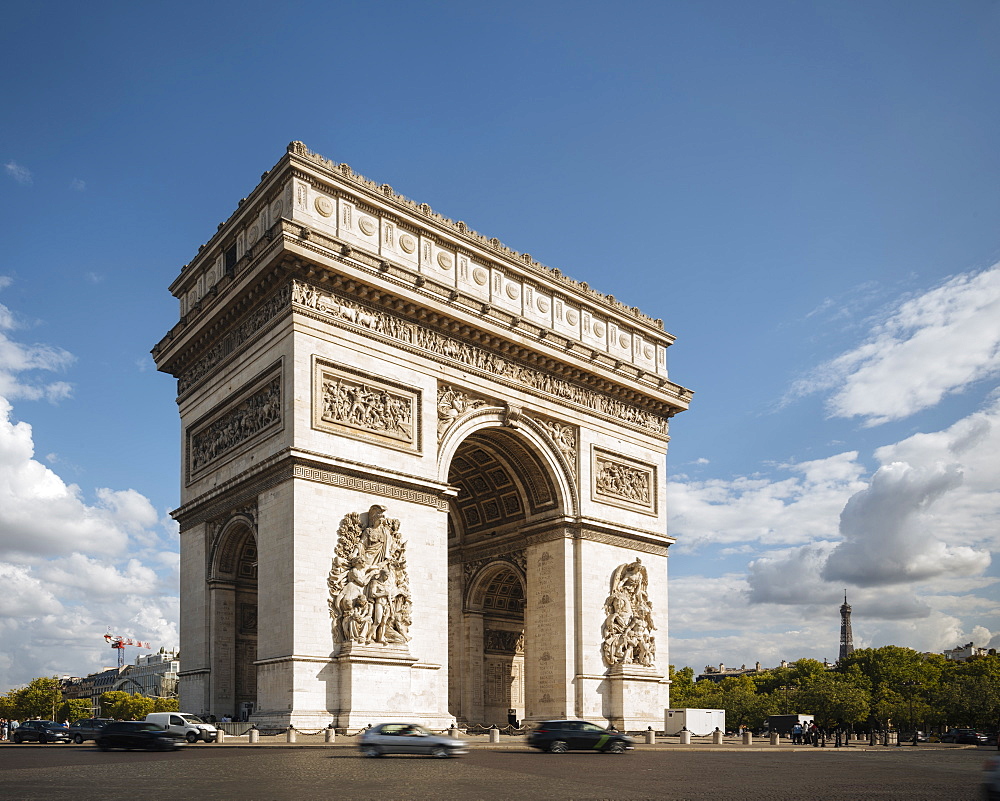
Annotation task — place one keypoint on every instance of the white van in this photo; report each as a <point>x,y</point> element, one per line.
<point>190,727</point>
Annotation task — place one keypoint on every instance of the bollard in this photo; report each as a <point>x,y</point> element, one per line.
<point>685,737</point>
<point>717,737</point>
<point>774,738</point>
<point>650,736</point>
<point>494,734</point>
<point>254,734</point>
<point>220,737</point>
<point>747,738</point>
<point>330,734</point>
<point>290,735</point>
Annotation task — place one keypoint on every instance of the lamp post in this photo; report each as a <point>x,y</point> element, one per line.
<point>786,688</point>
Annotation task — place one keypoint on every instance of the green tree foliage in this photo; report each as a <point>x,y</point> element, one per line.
<point>166,705</point>
<point>39,699</point>
<point>874,686</point>
<point>122,706</point>
<point>73,710</point>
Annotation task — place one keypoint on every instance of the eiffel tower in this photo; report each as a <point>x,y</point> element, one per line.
<point>846,638</point>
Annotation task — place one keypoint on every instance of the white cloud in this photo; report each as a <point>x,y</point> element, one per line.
<point>929,346</point>
<point>77,185</point>
<point>19,173</point>
<point>17,359</point>
<point>70,569</point>
<point>801,508</point>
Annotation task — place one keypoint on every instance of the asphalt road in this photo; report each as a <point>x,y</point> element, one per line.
<point>206,773</point>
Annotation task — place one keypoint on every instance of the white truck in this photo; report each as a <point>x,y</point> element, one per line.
<point>700,722</point>
<point>190,727</point>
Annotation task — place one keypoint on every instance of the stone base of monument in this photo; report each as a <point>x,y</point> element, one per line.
<point>384,682</point>
<point>636,697</point>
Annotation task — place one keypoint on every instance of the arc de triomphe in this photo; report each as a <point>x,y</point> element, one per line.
<point>423,476</point>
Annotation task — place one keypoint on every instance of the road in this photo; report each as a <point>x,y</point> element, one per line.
<point>207,773</point>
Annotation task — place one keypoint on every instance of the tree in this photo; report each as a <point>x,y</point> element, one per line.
<point>834,699</point>
<point>73,710</point>
<point>39,699</point>
<point>166,705</point>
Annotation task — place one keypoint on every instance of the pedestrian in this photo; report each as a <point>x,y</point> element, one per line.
<point>3,728</point>
<point>797,734</point>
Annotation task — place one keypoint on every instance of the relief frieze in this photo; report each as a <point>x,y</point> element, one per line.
<point>564,436</point>
<point>622,482</point>
<point>465,353</point>
<point>452,403</point>
<point>347,402</point>
<point>256,413</point>
<point>259,318</point>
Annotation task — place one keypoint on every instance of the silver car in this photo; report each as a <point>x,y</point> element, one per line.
<point>408,738</point>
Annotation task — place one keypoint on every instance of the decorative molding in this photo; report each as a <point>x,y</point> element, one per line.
<point>517,558</point>
<point>621,481</point>
<point>369,486</point>
<point>350,403</point>
<point>255,322</point>
<point>369,586</point>
<point>460,229</point>
<point>449,349</point>
<point>628,629</point>
<point>256,412</point>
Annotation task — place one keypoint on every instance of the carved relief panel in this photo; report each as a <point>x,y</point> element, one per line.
<point>254,413</point>
<point>351,403</point>
<point>620,481</point>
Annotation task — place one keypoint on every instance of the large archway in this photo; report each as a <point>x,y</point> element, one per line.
<point>233,592</point>
<point>506,488</point>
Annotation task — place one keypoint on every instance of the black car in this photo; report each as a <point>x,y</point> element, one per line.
<point>87,729</point>
<point>560,736</point>
<point>136,734</point>
<point>964,737</point>
<point>40,731</point>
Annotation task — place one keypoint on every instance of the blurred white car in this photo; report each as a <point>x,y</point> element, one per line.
<point>408,738</point>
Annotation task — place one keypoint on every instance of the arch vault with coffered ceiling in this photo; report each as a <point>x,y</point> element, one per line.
<point>423,475</point>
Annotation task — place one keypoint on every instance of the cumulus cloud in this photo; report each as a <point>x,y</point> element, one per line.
<point>889,532</point>
<point>802,507</point>
<point>927,347</point>
<point>19,173</point>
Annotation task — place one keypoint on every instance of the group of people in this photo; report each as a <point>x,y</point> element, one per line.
<point>807,733</point>
<point>7,728</point>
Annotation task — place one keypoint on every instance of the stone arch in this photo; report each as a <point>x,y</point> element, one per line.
<point>533,438</point>
<point>233,598</point>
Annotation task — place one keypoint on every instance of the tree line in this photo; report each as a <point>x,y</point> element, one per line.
<point>42,699</point>
<point>873,688</point>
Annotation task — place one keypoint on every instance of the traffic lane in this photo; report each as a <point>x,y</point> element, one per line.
<point>213,773</point>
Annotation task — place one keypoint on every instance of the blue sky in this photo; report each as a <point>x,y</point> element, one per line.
<point>808,194</point>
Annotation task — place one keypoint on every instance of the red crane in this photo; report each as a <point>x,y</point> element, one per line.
<point>120,643</point>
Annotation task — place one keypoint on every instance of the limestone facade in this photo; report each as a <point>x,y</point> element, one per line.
<point>423,476</point>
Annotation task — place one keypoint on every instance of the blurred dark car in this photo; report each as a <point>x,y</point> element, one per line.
<point>964,737</point>
<point>560,736</point>
<point>40,731</point>
<point>408,738</point>
<point>87,729</point>
<point>129,734</point>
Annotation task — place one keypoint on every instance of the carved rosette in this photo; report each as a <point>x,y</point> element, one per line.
<point>628,626</point>
<point>452,403</point>
<point>368,583</point>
